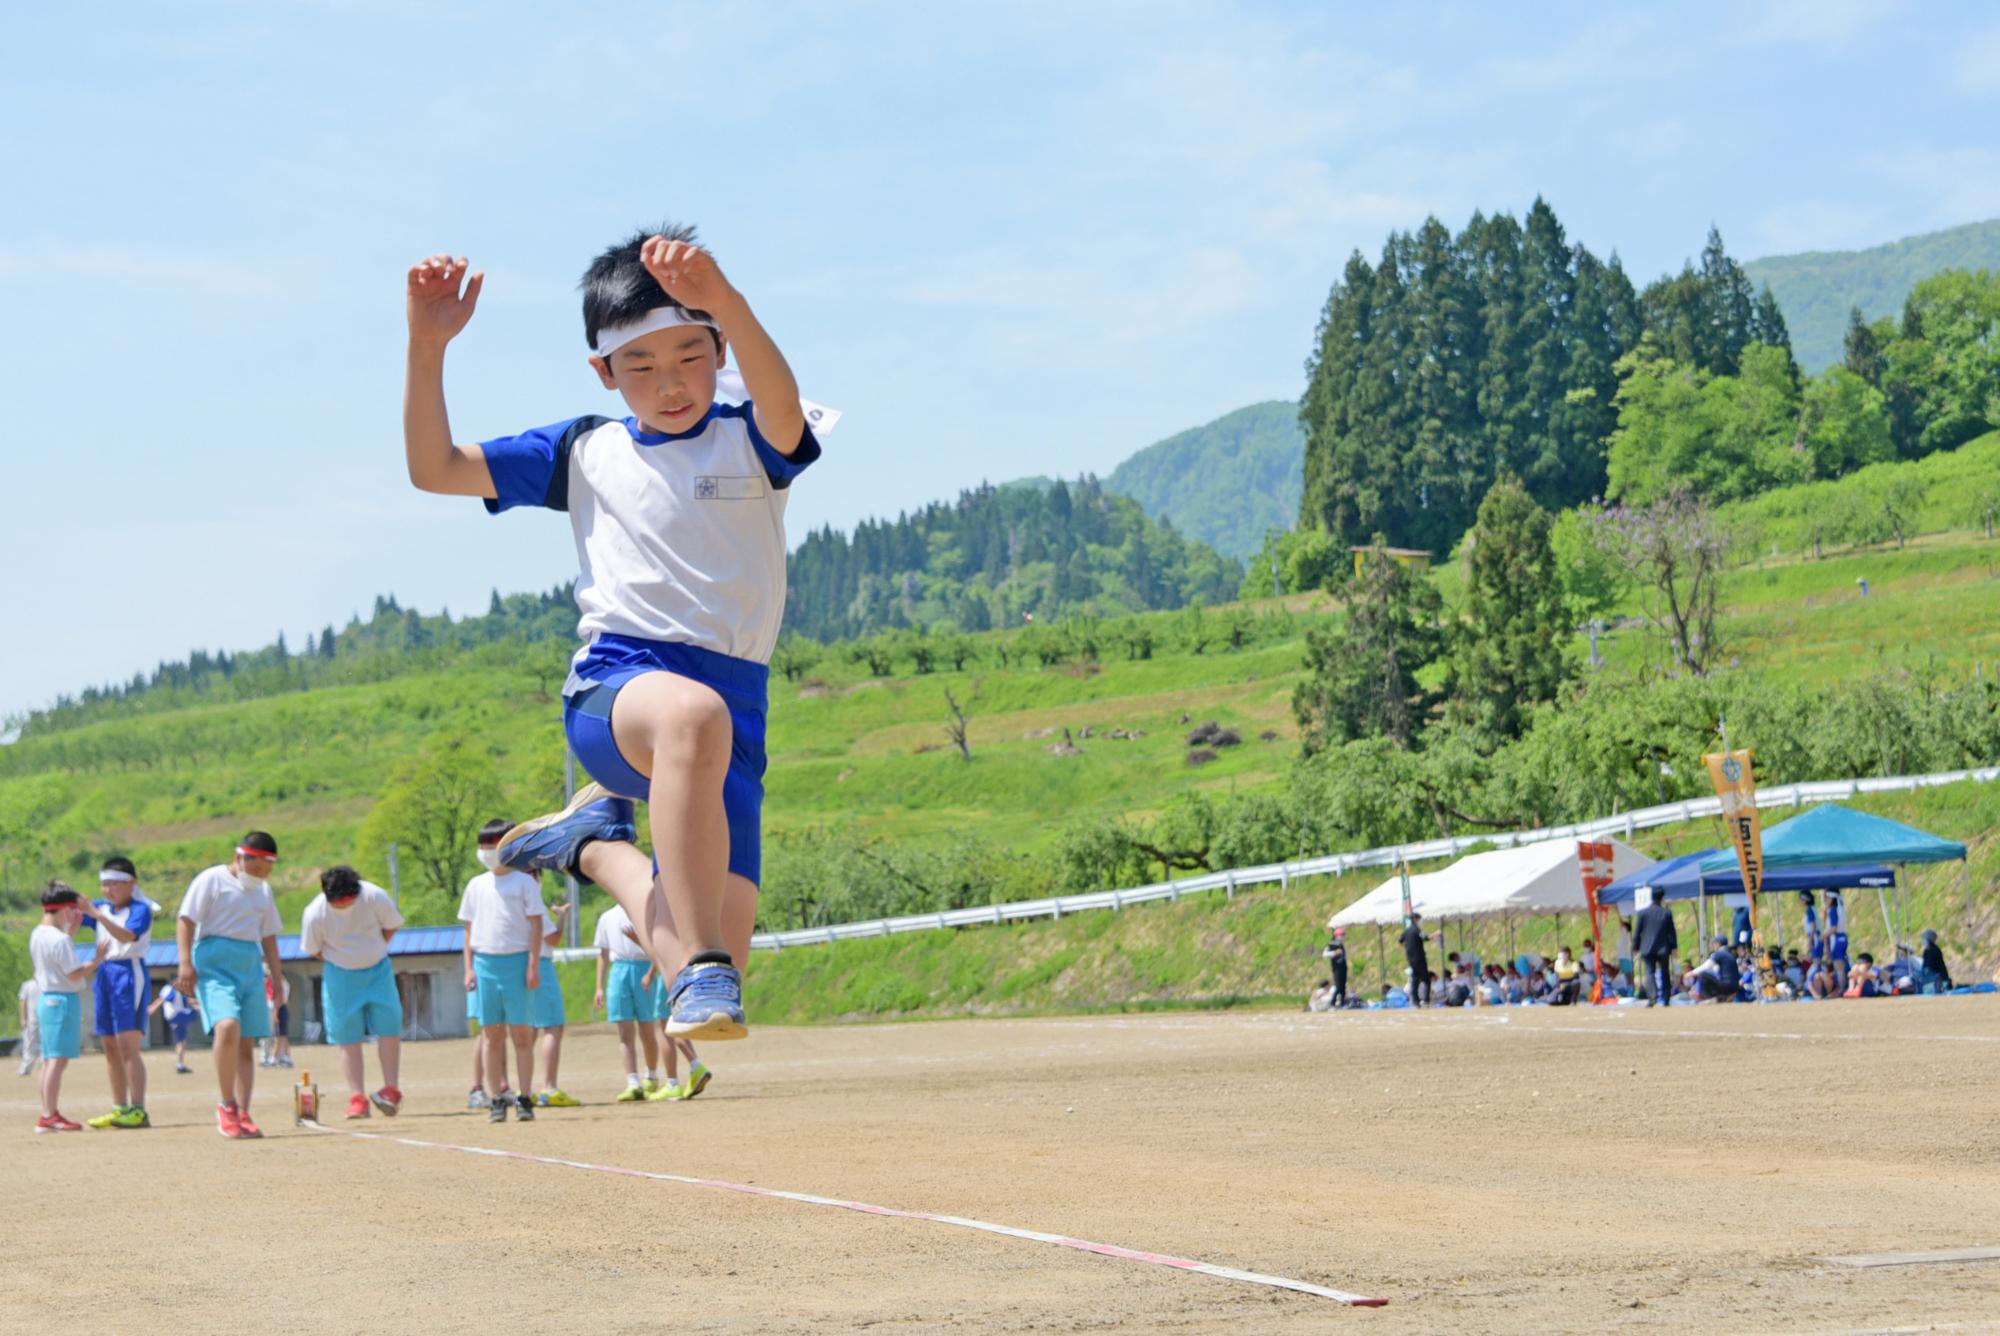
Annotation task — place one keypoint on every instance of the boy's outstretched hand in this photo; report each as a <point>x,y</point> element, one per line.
<point>686,272</point>
<point>438,308</point>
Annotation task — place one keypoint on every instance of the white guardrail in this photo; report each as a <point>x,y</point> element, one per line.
<point>1645,818</point>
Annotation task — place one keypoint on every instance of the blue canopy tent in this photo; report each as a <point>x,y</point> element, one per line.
<point>1694,877</point>
<point>1831,834</point>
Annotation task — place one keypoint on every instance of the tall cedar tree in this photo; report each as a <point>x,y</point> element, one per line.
<point>1508,652</point>
<point>1361,678</point>
<point>1452,360</point>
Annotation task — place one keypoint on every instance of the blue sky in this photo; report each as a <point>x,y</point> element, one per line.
<point>1006,239</point>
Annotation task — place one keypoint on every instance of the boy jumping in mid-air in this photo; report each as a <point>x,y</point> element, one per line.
<point>227,933</point>
<point>60,972</point>
<point>678,513</point>
<point>349,925</point>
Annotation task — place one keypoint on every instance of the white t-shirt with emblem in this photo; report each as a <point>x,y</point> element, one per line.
<point>495,909</point>
<point>679,537</point>
<point>352,937</point>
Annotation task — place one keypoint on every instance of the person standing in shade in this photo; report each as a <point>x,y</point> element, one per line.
<point>1656,940</point>
<point>1418,960</point>
<point>1836,940</point>
<point>1936,976</point>
<point>1336,963</point>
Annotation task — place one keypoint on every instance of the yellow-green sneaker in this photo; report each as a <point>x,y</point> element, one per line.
<point>698,1077</point>
<point>104,1120</point>
<point>652,1087</point>
<point>132,1117</point>
<point>670,1091</point>
<point>556,1099</point>
<point>631,1094</point>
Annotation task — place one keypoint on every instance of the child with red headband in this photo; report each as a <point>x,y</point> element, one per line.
<point>61,973</point>
<point>227,932</point>
<point>678,515</point>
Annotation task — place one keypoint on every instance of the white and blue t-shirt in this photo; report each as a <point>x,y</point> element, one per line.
<point>680,536</point>
<point>135,918</point>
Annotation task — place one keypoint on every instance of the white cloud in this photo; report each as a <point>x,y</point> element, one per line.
<point>1817,225</point>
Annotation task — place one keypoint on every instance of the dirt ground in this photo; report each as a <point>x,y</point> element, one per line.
<point>1533,1170</point>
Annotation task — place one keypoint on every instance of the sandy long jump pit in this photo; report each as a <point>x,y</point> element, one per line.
<point>1496,1170</point>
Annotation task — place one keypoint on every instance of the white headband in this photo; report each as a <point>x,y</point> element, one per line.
<point>614,337</point>
<point>113,874</point>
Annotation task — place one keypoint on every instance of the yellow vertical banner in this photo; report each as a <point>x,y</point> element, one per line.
<point>1736,786</point>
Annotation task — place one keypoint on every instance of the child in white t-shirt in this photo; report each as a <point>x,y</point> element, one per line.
<point>31,1024</point>
<point>349,926</point>
<point>678,514</point>
<point>505,922</point>
<point>60,973</point>
<point>227,935</point>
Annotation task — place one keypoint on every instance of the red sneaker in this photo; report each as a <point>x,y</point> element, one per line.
<point>247,1128</point>
<point>357,1106</point>
<point>55,1122</point>
<point>388,1099</point>
<point>228,1121</point>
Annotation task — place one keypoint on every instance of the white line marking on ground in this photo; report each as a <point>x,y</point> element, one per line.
<point>1916,1258</point>
<point>1061,1240</point>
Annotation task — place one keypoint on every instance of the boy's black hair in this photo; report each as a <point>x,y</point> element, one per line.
<point>59,893</point>
<point>339,880</point>
<point>617,289</point>
<point>121,864</point>
<point>258,839</point>
<point>491,832</point>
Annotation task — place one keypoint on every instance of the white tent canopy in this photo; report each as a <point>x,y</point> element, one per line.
<point>1541,878</point>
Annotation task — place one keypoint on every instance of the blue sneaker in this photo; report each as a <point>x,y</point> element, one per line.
<point>553,842</point>
<point>707,1003</point>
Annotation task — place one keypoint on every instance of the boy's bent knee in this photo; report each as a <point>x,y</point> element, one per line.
<point>673,714</point>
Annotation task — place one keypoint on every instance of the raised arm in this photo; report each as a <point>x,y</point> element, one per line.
<point>438,310</point>
<point>690,275</point>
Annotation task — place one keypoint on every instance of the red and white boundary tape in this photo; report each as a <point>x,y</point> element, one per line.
<point>1035,1235</point>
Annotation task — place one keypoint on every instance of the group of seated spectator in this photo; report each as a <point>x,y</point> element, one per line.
<point>1727,974</point>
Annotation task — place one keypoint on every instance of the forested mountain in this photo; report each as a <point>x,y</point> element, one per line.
<point>1817,289</point>
<point>1225,483</point>
<point>993,556</point>
<point>1456,359</point>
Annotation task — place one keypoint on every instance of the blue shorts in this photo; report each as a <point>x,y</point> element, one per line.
<point>609,662</point>
<point>61,1017</point>
<point>546,1002</point>
<point>624,999</point>
<point>180,1025</point>
<point>663,1005</point>
<point>229,977</point>
<point>360,1003</point>
<point>503,997</point>
<point>121,991</point>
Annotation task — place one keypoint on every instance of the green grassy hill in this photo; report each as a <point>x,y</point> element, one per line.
<point>1227,482</point>
<point>1815,290</point>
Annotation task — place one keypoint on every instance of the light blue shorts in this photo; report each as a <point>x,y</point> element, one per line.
<point>229,977</point>
<point>61,1017</point>
<point>663,1006</point>
<point>360,1003</point>
<point>624,999</point>
<point>503,997</point>
<point>547,1001</point>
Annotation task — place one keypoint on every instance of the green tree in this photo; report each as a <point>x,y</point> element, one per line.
<point>1844,424</point>
<point>1508,652</point>
<point>1361,677</point>
<point>432,809</point>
